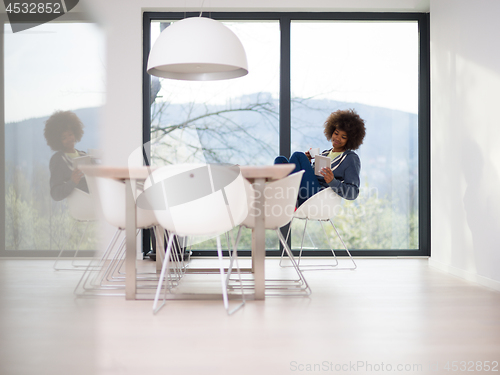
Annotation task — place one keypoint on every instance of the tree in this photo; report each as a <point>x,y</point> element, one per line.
<point>240,132</point>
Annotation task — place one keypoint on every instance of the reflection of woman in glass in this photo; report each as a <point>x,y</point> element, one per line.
<point>346,130</point>
<point>62,131</point>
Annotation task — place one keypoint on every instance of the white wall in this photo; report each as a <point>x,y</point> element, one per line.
<point>465,131</point>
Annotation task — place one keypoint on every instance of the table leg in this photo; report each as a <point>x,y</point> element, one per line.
<point>259,241</point>
<point>130,243</point>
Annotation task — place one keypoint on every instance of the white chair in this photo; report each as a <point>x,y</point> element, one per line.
<point>81,207</point>
<point>321,207</point>
<point>281,197</point>
<point>111,197</point>
<point>197,200</point>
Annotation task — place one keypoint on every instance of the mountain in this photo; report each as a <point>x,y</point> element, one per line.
<point>389,154</point>
<point>25,145</point>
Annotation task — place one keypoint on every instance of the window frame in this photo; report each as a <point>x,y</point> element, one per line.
<point>285,19</point>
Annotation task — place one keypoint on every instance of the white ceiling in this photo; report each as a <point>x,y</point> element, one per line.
<point>275,5</point>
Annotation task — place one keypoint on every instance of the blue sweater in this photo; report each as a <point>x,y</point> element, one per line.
<point>346,177</point>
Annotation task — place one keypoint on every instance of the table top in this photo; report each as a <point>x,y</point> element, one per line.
<point>273,172</point>
<point>119,173</point>
<point>250,172</point>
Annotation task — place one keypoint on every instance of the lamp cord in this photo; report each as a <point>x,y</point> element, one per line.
<point>201,10</point>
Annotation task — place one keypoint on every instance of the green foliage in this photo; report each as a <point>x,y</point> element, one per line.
<point>368,223</point>
<point>35,222</point>
<point>245,242</point>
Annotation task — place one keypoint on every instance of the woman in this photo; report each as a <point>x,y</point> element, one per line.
<point>346,130</point>
<point>62,131</point>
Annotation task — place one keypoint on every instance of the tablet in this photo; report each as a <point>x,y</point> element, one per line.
<point>321,162</point>
<point>82,160</point>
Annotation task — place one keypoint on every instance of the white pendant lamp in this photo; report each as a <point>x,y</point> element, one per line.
<point>197,49</point>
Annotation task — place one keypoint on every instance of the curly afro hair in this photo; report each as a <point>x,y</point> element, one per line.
<point>57,124</point>
<point>350,122</point>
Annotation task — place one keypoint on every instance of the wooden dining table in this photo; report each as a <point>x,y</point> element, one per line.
<point>257,175</point>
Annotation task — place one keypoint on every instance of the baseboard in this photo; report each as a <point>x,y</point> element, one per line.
<point>469,276</point>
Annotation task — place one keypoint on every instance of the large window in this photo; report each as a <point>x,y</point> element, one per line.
<point>234,121</point>
<point>230,121</point>
<point>302,67</point>
<point>371,67</point>
<point>55,66</point>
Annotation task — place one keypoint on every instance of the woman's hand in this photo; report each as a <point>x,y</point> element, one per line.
<point>327,174</point>
<point>76,176</point>
<point>308,154</point>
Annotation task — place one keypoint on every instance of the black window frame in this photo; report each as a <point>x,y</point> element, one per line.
<point>285,19</point>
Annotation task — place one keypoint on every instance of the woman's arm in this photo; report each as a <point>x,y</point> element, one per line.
<point>349,187</point>
<point>60,185</point>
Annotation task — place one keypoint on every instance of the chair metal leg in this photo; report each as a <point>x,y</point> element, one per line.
<point>233,259</point>
<point>177,260</point>
<point>103,274</point>
<point>306,288</point>
<point>74,267</point>
<point>333,252</point>
<point>331,267</point>
<point>164,277</point>
<point>316,267</point>
<point>116,262</point>
<point>345,247</point>
<point>276,283</point>
<point>99,278</point>
<point>232,253</point>
<point>298,287</point>
<point>223,281</point>
<point>164,268</point>
<point>302,242</point>
<point>95,267</point>
<point>179,268</point>
<point>78,248</point>
<point>286,240</point>
<point>114,273</point>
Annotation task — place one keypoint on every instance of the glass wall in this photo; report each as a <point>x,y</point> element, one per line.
<point>371,67</point>
<point>375,65</point>
<point>230,121</point>
<point>53,67</point>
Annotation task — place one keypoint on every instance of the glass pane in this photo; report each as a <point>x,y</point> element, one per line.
<point>230,121</point>
<point>56,66</point>
<point>371,67</point>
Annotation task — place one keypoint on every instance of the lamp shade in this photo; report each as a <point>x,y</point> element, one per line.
<point>197,49</point>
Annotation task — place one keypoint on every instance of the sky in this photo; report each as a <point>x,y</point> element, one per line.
<point>53,67</point>
<point>62,66</point>
<point>374,63</point>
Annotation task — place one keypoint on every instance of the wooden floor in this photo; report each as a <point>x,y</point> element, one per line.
<point>390,315</point>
